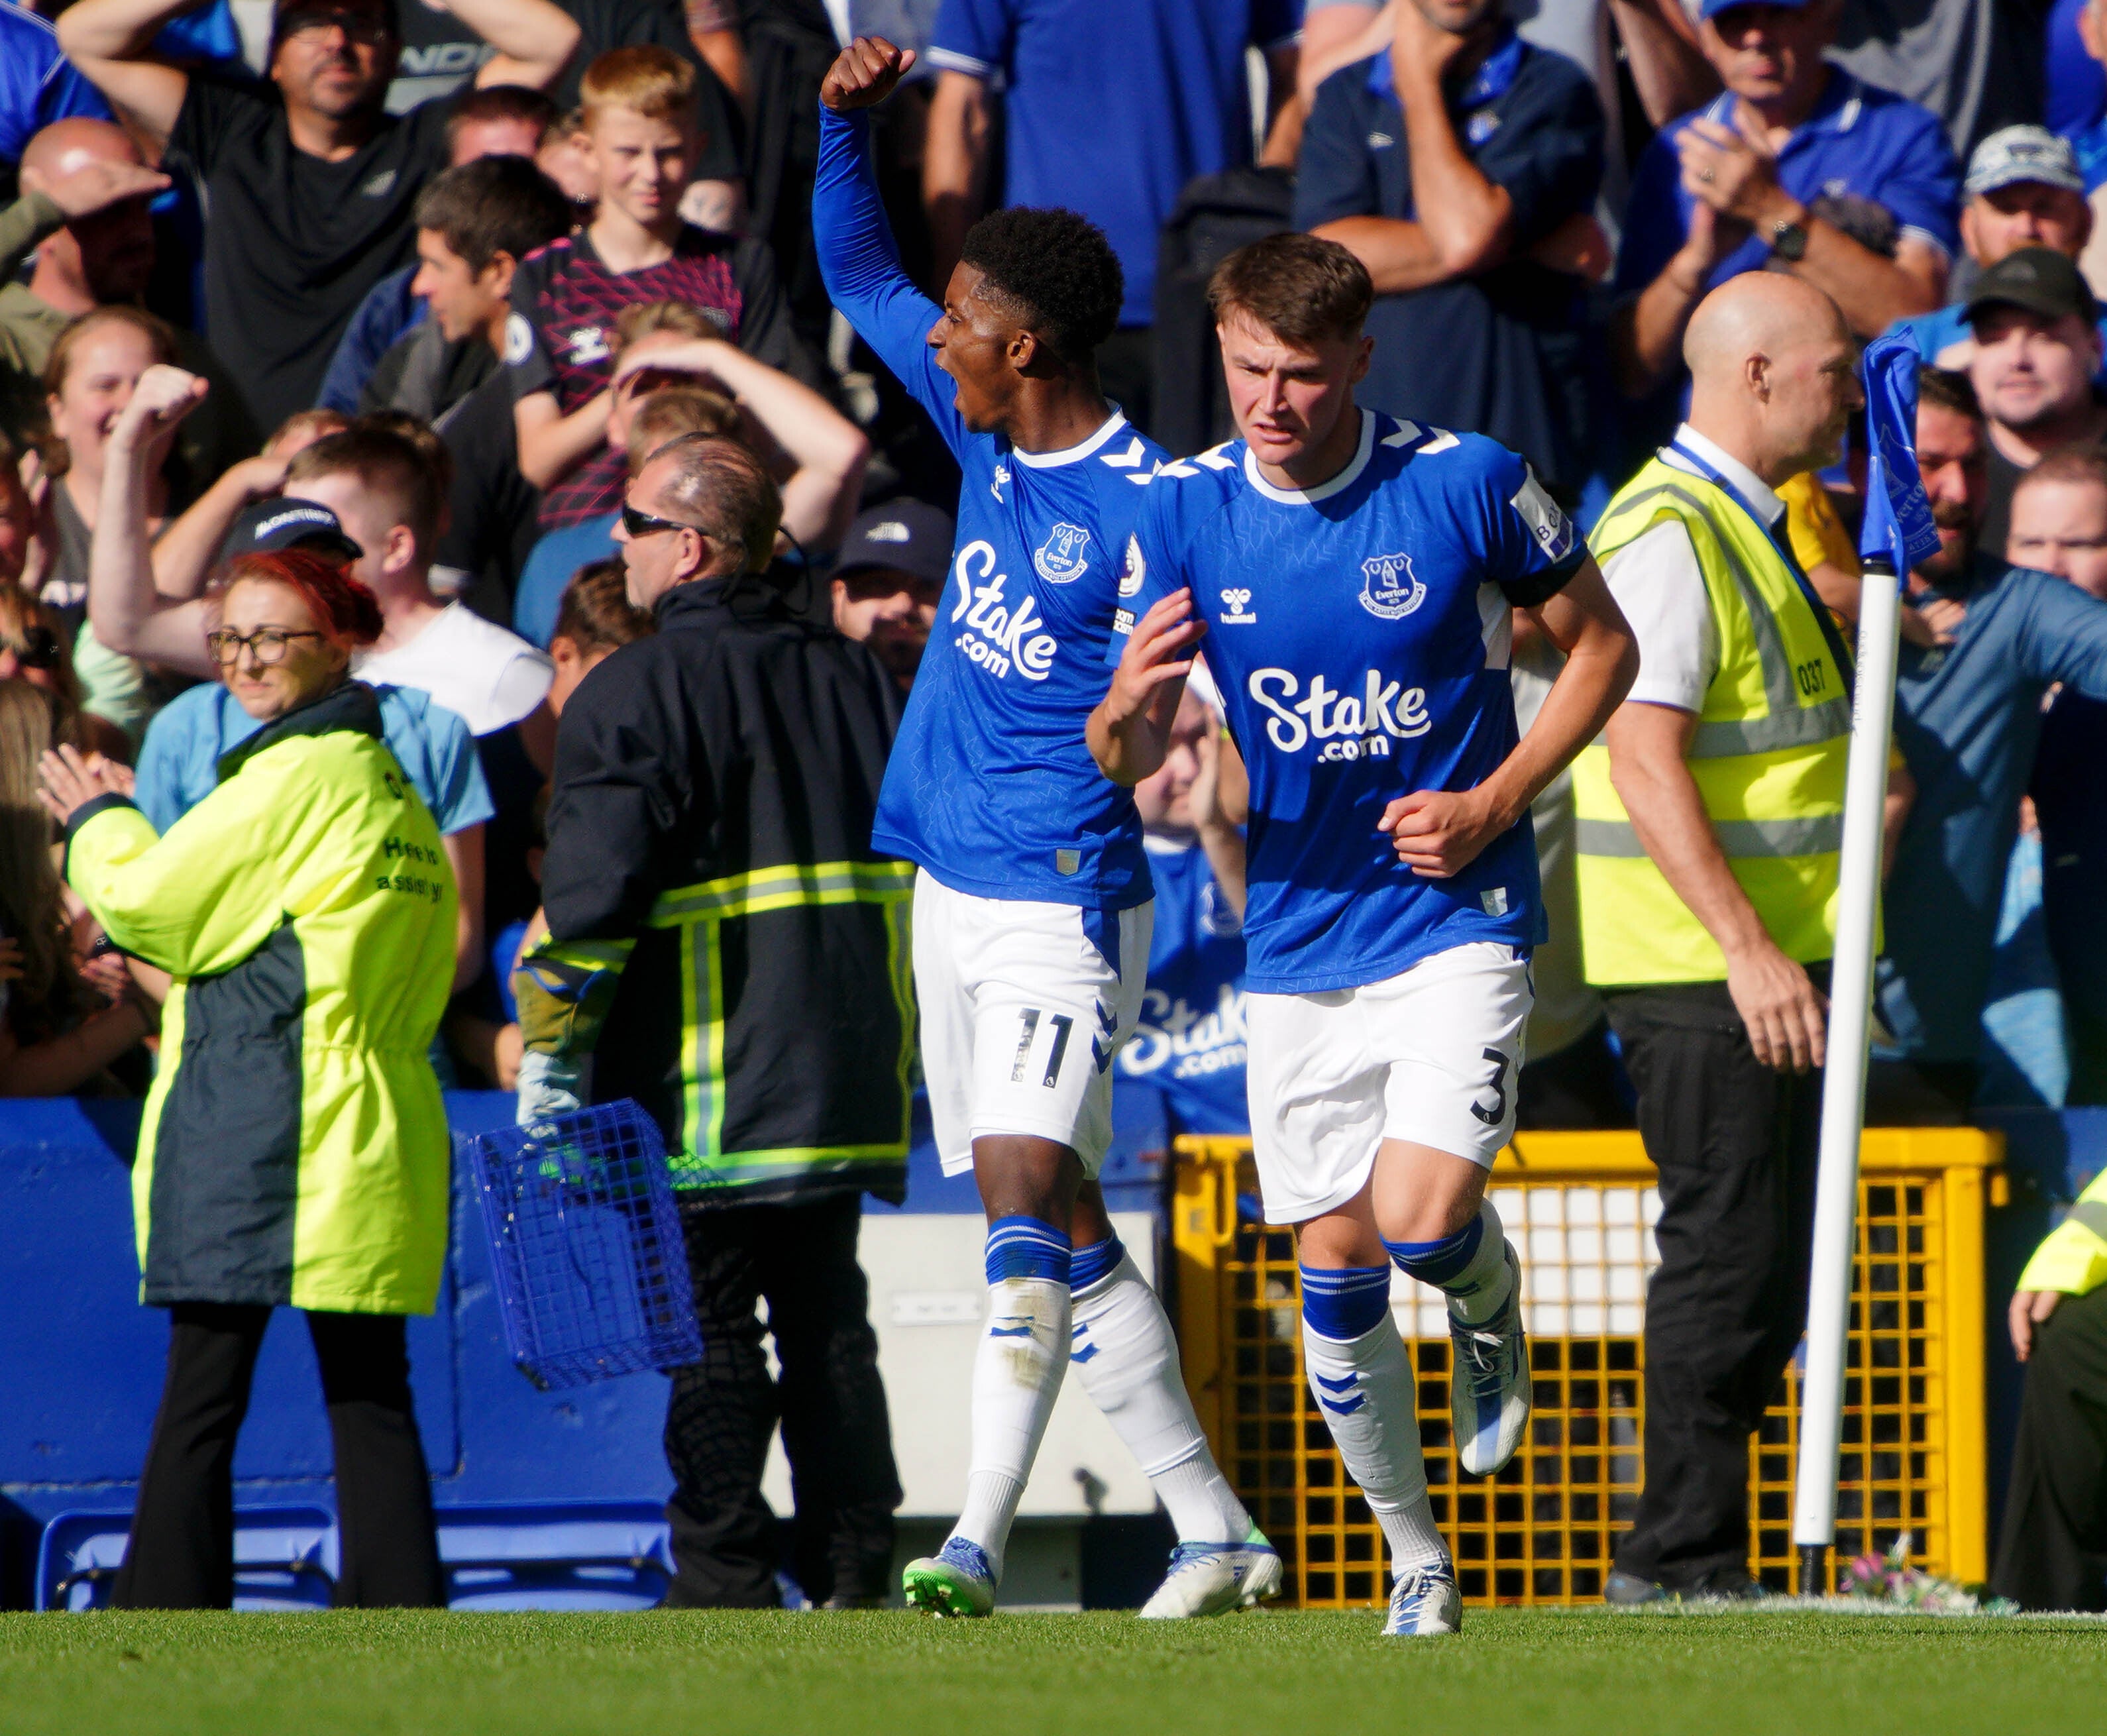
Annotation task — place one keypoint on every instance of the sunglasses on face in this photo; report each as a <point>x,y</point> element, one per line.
<point>268,645</point>
<point>645,524</point>
<point>36,649</point>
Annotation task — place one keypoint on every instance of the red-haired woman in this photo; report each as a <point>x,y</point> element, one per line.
<point>294,1148</point>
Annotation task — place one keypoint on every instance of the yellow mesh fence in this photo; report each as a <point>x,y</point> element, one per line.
<point>1580,1210</point>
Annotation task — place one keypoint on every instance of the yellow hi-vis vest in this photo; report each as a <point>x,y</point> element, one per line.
<point>1769,756</point>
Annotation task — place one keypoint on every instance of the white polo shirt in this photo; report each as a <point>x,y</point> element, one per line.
<point>1658,585</point>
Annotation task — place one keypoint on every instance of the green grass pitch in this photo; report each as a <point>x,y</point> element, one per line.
<point>1513,1673</point>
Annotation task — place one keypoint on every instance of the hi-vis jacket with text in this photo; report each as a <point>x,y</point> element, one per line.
<point>723,945</point>
<point>294,1148</point>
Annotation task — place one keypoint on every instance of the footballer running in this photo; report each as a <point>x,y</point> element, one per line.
<point>1353,577</point>
<point>1032,900</point>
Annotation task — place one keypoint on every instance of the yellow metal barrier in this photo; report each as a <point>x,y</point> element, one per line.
<point>1579,1208</point>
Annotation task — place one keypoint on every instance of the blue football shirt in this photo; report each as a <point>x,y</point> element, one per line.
<point>1112,107</point>
<point>990,785</point>
<point>1358,632</point>
<point>37,83</point>
<point>1190,1042</point>
<point>1860,140</point>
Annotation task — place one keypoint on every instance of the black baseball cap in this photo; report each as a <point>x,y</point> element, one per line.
<point>2038,280</point>
<point>910,537</point>
<point>268,526</point>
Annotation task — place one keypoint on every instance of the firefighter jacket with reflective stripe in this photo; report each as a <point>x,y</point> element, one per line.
<point>294,1148</point>
<point>723,944</point>
<point>1768,755</point>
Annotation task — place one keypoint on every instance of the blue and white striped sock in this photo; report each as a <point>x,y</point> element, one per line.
<point>1470,1267</point>
<point>1017,1374</point>
<point>1363,1388</point>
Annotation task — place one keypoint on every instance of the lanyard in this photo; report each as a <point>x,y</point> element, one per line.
<point>1712,474</point>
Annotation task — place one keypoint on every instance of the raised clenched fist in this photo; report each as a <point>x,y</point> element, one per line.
<point>864,75</point>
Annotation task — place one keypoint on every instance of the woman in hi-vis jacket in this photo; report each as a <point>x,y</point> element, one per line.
<point>294,1148</point>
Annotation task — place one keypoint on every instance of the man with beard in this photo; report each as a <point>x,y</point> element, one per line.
<point>1967,718</point>
<point>93,255</point>
<point>2036,349</point>
<point>312,184</point>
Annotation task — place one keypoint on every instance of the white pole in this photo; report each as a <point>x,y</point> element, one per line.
<point>1843,1085</point>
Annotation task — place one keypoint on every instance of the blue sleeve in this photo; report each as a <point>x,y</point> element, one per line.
<point>1526,543</point>
<point>974,36</point>
<point>1275,23</point>
<point>461,798</point>
<point>1655,227</point>
<point>388,311</point>
<point>1143,578</point>
<point>1923,189</point>
<point>158,791</point>
<point>2062,634</point>
<point>67,93</point>
<point>861,268</point>
<point>1548,159</point>
<point>1334,177</point>
<point>2076,88</point>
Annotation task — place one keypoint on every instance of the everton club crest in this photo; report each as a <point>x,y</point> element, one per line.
<point>1061,556</point>
<point>1389,589</point>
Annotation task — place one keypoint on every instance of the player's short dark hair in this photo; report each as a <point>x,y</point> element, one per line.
<point>494,206</point>
<point>1302,289</point>
<point>488,103</point>
<point>1950,389</point>
<point>1058,269</point>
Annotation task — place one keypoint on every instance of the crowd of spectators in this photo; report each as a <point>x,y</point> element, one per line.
<point>419,289</point>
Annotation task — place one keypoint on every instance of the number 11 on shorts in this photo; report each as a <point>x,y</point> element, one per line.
<point>1060,1024</point>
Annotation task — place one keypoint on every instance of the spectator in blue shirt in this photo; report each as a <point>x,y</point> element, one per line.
<point>1452,167</point>
<point>37,85</point>
<point>2059,526</point>
<point>1967,716</point>
<point>2023,189</point>
<point>1109,108</point>
<point>1727,189</point>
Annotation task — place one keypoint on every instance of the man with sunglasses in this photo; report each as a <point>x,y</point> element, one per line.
<point>726,947</point>
<point>311,183</point>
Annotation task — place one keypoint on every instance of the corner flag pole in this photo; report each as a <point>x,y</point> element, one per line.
<point>1897,534</point>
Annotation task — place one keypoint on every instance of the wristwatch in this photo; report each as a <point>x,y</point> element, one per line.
<point>1789,240</point>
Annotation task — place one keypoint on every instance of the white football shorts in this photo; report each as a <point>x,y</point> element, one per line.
<point>1429,1056</point>
<point>1024,1005</point>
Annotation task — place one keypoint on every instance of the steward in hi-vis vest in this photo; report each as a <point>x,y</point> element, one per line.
<point>1768,755</point>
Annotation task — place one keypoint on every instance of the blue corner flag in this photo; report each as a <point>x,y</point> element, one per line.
<point>1897,531</point>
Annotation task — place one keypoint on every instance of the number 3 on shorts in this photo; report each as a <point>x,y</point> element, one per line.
<point>1028,1020</point>
<point>1494,1116</point>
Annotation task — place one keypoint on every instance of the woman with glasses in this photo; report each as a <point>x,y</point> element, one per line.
<point>294,1150</point>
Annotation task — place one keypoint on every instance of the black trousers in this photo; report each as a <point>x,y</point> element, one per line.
<point>2052,1552</point>
<point>181,1554</point>
<point>1735,1144</point>
<point>830,1401</point>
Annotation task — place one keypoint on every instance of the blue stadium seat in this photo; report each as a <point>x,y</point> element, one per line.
<point>285,1558</point>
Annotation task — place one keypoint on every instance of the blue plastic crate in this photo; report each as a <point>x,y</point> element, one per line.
<point>585,1239</point>
<point>285,1558</point>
